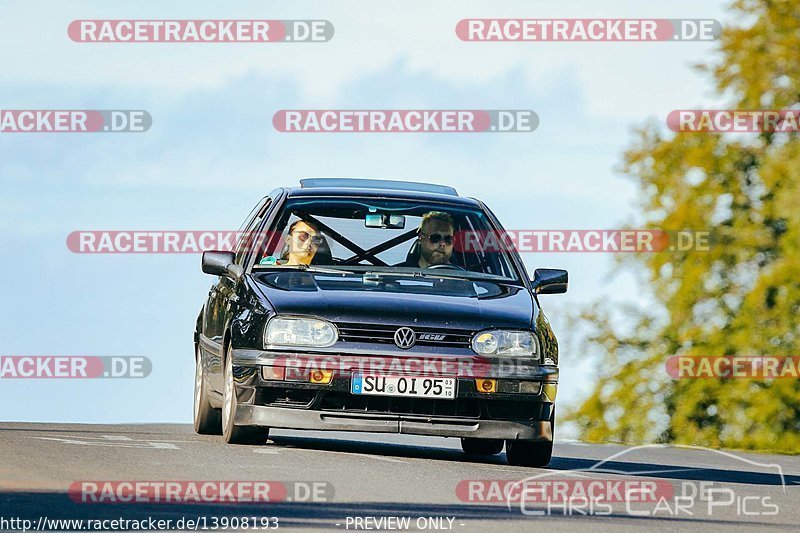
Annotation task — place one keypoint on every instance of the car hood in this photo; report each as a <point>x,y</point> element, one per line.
<point>393,300</point>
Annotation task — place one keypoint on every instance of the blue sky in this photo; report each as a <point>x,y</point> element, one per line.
<point>212,152</point>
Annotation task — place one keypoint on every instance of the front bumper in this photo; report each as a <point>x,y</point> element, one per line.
<point>290,418</point>
<point>303,405</point>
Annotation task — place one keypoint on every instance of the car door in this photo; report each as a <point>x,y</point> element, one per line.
<point>214,314</point>
<point>222,295</point>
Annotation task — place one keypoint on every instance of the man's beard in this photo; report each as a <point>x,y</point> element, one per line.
<point>435,257</point>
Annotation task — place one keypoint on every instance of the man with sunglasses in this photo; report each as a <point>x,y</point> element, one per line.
<point>434,241</point>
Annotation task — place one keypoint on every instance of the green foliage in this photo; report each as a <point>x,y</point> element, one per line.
<point>743,296</point>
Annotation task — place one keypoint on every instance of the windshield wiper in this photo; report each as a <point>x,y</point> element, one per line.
<point>310,268</point>
<point>381,273</point>
<point>314,268</point>
<point>467,276</point>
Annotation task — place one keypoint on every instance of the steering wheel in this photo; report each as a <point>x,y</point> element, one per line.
<point>446,265</point>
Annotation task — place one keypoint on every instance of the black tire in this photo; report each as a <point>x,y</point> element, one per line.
<point>232,433</point>
<point>531,452</point>
<point>482,446</point>
<point>528,452</point>
<point>207,420</point>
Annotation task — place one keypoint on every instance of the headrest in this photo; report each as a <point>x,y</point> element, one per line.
<point>413,252</point>
<point>324,256</point>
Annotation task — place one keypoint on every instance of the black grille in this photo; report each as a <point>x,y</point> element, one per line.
<point>285,397</point>
<point>346,402</point>
<point>384,334</point>
<point>514,410</point>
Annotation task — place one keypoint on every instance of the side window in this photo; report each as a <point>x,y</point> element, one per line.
<point>253,213</point>
<point>246,237</point>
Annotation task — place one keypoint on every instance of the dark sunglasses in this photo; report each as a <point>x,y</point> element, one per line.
<point>436,238</point>
<point>316,240</point>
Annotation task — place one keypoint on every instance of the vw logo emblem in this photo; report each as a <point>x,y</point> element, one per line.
<point>405,338</point>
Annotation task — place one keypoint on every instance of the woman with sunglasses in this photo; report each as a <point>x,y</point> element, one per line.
<point>302,243</point>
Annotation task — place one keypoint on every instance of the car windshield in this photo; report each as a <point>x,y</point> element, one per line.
<point>385,237</point>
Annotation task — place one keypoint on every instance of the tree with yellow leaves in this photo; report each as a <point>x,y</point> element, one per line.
<point>740,298</point>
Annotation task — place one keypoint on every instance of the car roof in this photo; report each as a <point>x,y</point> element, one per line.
<point>371,188</point>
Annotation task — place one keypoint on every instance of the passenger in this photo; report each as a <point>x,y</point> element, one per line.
<point>434,241</point>
<point>302,243</point>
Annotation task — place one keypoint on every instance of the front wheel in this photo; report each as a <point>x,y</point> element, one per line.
<point>232,433</point>
<point>207,420</point>
<point>528,453</point>
<point>531,452</point>
<point>481,446</point>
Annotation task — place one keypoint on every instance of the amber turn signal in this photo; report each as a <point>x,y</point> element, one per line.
<point>321,376</point>
<point>486,385</point>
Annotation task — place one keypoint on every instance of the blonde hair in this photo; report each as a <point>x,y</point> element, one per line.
<point>439,216</point>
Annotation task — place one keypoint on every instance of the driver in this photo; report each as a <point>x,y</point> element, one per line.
<point>434,241</point>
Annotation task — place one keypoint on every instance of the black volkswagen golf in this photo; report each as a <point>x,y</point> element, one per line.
<point>377,306</point>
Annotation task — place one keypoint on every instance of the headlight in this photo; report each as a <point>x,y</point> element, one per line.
<point>303,332</point>
<point>501,342</point>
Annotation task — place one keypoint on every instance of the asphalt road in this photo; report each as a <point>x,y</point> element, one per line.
<point>366,478</point>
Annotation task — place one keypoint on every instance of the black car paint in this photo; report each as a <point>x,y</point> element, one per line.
<point>236,312</point>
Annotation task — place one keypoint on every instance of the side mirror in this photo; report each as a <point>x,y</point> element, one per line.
<point>221,264</point>
<point>550,281</point>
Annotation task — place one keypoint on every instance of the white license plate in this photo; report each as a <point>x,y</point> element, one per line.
<point>410,386</point>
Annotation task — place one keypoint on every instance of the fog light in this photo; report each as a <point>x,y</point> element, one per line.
<point>321,376</point>
<point>530,387</point>
<point>296,374</point>
<point>273,373</point>
<point>486,385</point>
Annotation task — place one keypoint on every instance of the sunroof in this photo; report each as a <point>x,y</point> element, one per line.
<point>368,183</point>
